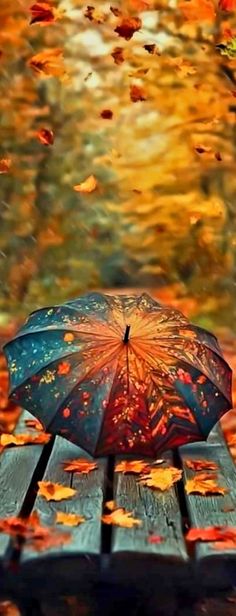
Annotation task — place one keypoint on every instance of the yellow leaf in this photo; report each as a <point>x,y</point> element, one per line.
<point>161,478</point>
<point>120,517</point>
<point>88,186</point>
<point>54,491</point>
<point>69,519</point>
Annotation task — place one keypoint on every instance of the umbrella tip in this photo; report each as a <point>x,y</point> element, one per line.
<point>126,335</point>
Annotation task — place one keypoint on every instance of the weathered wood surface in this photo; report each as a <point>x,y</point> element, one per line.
<point>78,560</point>
<point>216,568</point>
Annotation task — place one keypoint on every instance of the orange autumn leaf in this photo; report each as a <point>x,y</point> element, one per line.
<point>137,93</point>
<point>54,491</point>
<point>197,10</point>
<point>80,465</point>
<point>131,466</point>
<point>45,136</point>
<point>68,337</point>
<point>48,62</point>
<point>118,55</point>
<point>19,526</point>
<point>69,519</point>
<point>128,26</point>
<point>161,478</point>
<point>88,186</point>
<point>35,424</point>
<point>63,368</point>
<point>43,13</point>
<point>201,465</point>
<point>212,533</point>
<point>111,505</point>
<point>5,164</point>
<point>120,517</point>
<point>24,439</point>
<point>204,483</point>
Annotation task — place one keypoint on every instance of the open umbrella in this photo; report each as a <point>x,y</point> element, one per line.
<point>119,374</point>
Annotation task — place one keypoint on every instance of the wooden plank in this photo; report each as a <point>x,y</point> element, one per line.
<point>77,562</point>
<point>133,556</point>
<point>215,568</point>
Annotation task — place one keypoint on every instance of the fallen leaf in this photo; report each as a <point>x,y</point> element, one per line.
<point>212,533</point>
<point>80,465</point>
<point>131,466</point>
<point>45,136</point>
<point>200,465</point>
<point>23,439</point>
<point>88,186</point>
<point>54,491</point>
<point>137,93</point>
<point>161,478</point>
<point>154,539</point>
<point>204,483</point>
<point>48,62</point>
<point>69,519</point>
<point>106,114</point>
<point>197,10</point>
<point>150,48</point>
<point>35,424</point>
<point>5,164</point>
<point>118,55</point>
<point>128,26</point>
<point>43,13</point>
<point>120,517</point>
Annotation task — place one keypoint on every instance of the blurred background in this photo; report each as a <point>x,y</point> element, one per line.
<point>118,157</point>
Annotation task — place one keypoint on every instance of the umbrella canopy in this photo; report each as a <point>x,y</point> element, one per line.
<point>119,374</point>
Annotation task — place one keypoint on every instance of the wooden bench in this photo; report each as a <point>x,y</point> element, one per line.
<point>110,568</point>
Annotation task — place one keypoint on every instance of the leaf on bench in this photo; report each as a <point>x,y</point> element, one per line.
<point>204,483</point>
<point>54,491</point>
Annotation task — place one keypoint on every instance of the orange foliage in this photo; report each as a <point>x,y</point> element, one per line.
<point>201,465</point>
<point>161,478</point>
<point>204,483</point>
<point>131,466</point>
<point>69,519</point>
<point>80,465</point>
<point>24,439</point>
<point>120,517</point>
<point>54,491</point>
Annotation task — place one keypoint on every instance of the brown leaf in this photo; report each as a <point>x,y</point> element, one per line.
<point>131,466</point>
<point>128,26</point>
<point>118,55</point>
<point>120,517</point>
<point>204,483</point>
<point>23,439</point>
<point>95,15</point>
<point>137,93</point>
<point>43,13</point>
<point>150,48</point>
<point>161,478</point>
<point>45,136</point>
<point>106,114</point>
<point>80,465</point>
<point>69,519</point>
<point>54,491</point>
<point>201,465</point>
<point>88,186</point>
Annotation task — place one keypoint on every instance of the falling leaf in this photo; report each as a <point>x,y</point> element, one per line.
<point>150,48</point>
<point>45,136</point>
<point>118,55</point>
<point>154,539</point>
<point>69,519</point>
<point>95,15</point>
<point>5,164</point>
<point>48,62</point>
<point>120,517</point>
<point>137,93</point>
<point>197,10</point>
<point>80,465</point>
<point>161,478</point>
<point>131,466</point>
<point>200,465</point>
<point>54,491</point>
<point>23,439</point>
<point>35,424</point>
<point>212,533</point>
<point>204,483</point>
<point>128,26</point>
<point>88,186</point>
<point>218,156</point>
<point>227,5</point>
<point>106,114</point>
<point>43,13</point>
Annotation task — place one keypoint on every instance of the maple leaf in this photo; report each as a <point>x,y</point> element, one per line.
<point>197,10</point>
<point>63,368</point>
<point>5,164</point>
<point>131,466</point>
<point>120,517</point>
<point>118,55</point>
<point>43,13</point>
<point>137,93</point>
<point>227,5</point>
<point>212,533</point>
<point>23,439</point>
<point>200,465</point>
<point>88,186</point>
<point>204,483</point>
<point>161,478</point>
<point>69,519</point>
<point>128,26</point>
<point>35,424</point>
<point>48,62</point>
<point>45,136</point>
<point>80,465</point>
<point>54,491</point>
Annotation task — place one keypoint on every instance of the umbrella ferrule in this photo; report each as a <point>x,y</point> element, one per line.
<point>126,335</point>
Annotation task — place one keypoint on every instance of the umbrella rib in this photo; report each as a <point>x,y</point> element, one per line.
<point>55,329</point>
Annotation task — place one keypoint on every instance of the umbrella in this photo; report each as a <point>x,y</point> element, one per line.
<point>119,374</point>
